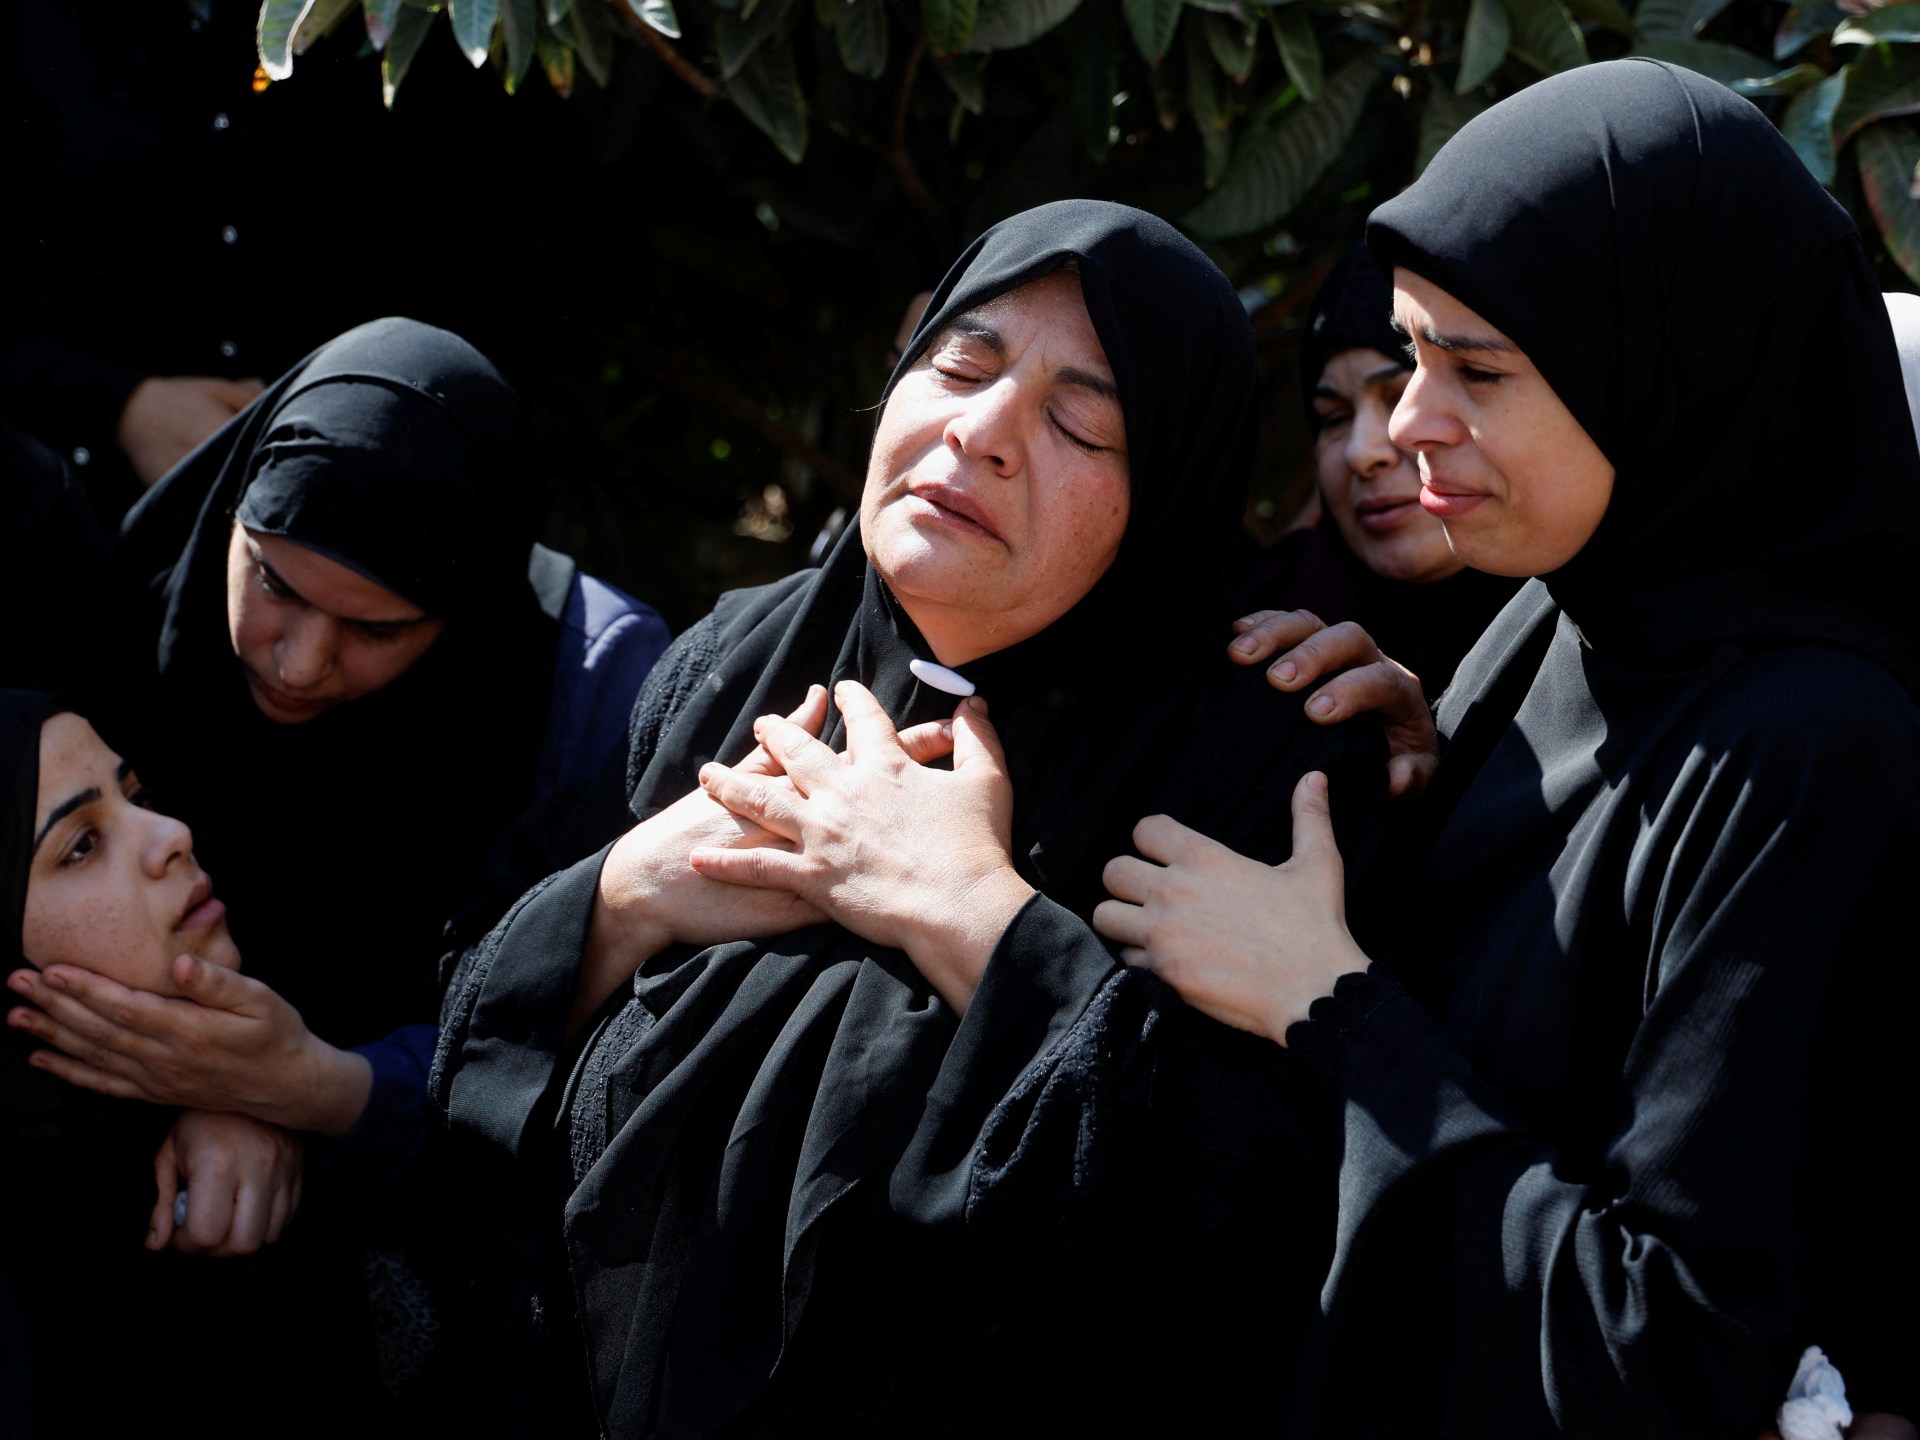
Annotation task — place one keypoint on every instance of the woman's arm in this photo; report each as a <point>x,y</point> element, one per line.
<point>1655,1284</point>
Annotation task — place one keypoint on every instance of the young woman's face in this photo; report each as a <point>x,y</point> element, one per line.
<point>1368,485</point>
<point>997,491</point>
<point>112,886</point>
<point>312,634</point>
<point>1518,484</point>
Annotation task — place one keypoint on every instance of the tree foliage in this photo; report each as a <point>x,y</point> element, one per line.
<point>1274,91</point>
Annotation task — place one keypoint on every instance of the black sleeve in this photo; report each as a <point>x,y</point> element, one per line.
<point>1490,1280</point>
<point>508,995</point>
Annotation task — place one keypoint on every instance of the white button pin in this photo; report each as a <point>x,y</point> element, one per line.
<point>940,678</point>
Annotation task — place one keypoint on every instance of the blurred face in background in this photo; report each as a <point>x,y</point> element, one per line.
<point>1369,488</point>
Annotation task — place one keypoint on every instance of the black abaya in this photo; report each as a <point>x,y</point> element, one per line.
<point>1621,1167</point>
<point>798,1195</point>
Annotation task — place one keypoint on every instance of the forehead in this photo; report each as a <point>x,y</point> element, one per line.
<point>72,757</point>
<point>326,584</point>
<point>1362,367</point>
<point>1052,308</point>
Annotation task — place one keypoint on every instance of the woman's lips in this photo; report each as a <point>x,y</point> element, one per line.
<point>1438,499</point>
<point>1379,516</point>
<point>280,701</point>
<point>952,507</point>
<point>204,909</point>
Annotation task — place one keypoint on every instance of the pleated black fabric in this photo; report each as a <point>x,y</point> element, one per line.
<point>778,1167</point>
<point>1599,1185</point>
<point>397,451</point>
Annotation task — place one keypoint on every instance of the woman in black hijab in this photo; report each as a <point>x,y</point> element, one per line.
<point>318,600</point>
<point>800,1195</point>
<point>1374,556</point>
<point>88,1283</point>
<point>1611,1123</point>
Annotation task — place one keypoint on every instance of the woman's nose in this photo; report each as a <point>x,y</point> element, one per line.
<point>1423,420</point>
<point>305,653</point>
<point>990,427</point>
<point>1370,450</point>
<point>168,840</point>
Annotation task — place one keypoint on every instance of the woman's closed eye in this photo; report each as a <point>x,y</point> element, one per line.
<point>1076,434</point>
<point>1474,375</point>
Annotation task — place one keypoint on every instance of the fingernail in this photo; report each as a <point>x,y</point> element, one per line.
<point>1246,644</point>
<point>21,983</point>
<point>38,1059</point>
<point>1317,783</point>
<point>58,982</point>
<point>1285,672</point>
<point>946,728</point>
<point>1321,705</point>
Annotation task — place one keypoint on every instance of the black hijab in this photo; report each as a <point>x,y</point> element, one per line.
<point>768,1112</point>
<point>72,1159</point>
<point>1707,313</point>
<point>396,450</point>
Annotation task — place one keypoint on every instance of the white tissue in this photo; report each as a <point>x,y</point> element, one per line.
<point>1816,1407</point>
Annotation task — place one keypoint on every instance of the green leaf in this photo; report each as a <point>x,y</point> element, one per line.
<point>1807,124</point>
<point>1790,81</point>
<point>767,90</point>
<point>274,34</point>
<point>1889,158</point>
<point>1299,49</point>
<point>862,37</point>
<point>1440,121</point>
<point>1877,87</point>
<point>1729,64</point>
<point>1153,23</point>
<point>522,25</point>
<point>320,20</point>
<point>410,27</point>
<point>1804,20</point>
<point>1167,106</point>
<point>1483,46</point>
<point>735,39</point>
<point>586,31</point>
<point>659,14</point>
<point>1232,42</point>
<point>557,61</point>
<point>557,11</point>
<point>1093,80</point>
<point>473,22</point>
<point>1607,14</point>
<point>966,77</point>
<point>380,16</point>
<point>1676,19</point>
<point>1203,89</point>
<point>948,25</point>
<point>1276,164</point>
<point>1010,24</point>
<point>1897,23</point>
<point>1545,37</point>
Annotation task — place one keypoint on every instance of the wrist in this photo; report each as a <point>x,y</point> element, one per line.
<point>334,1094</point>
<point>951,946</point>
<point>1297,1005</point>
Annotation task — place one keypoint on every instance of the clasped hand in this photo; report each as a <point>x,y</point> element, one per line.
<point>242,1184</point>
<point>901,854</point>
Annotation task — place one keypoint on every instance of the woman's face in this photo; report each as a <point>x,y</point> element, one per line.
<point>1368,485</point>
<point>997,491</point>
<point>1518,484</point>
<point>312,634</point>
<point>112,886</point>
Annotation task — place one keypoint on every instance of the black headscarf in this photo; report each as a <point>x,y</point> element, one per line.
<point>397,450</point>
<point>812,1090</point>
<point>1707,313</point>
<point>1352,310</point>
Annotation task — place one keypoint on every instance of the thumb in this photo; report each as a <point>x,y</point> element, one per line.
<point>215,986</point>
<point>166,1174</point>
<point>1313,841</point>
<point>976,744</point>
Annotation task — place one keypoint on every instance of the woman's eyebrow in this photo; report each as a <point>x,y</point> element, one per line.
<point>1086,379</point>
<point>280,583</point>
<point>975,328</point>
<point>1482,343</point>
<point>65,808</point>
